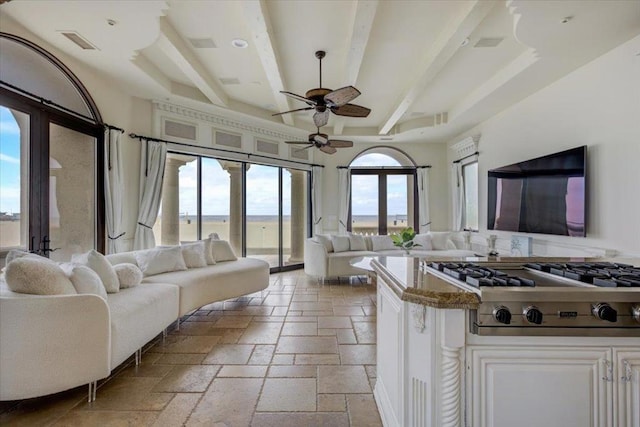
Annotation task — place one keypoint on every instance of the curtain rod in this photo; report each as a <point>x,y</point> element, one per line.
<point>58,106</point>
<point>384,167</point>
<point>249,155</point>
<point>466,157</point>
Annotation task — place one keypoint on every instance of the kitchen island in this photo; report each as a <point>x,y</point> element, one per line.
<point>433,371</point>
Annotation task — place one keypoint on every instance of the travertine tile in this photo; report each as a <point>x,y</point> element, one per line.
<point>292,372</point>
<point>336,322</point>
<point>107,418</point>
<point>189,344</point>
<point>288,394</point>
<point>299,328</point>
<point>311,306</point>
<point>242,371</point>
<point>280,311</point>
<point>146,370</point>
<point>282,359</point>
<point>365,332</point>
<point>317,359</point>
<point>357,354</point>
<point>187,379</point>
<point>331,403</point>
<point>228,401</point>
<point>348,311</point>
<point>181,359</point>
<point>178,410</point>
<point>346,336</point>
<point>229,354</point>
<point>328,332</point>
<point>261,333</point>
<point>363,411</point>
<point>129,394</point>
<point>307,345</point>
<point>262,354</point>
<point>342,379</point>
<point>371,371</point>
<point>318,419</point>
<point>278,300</point>
<point>233,322</point>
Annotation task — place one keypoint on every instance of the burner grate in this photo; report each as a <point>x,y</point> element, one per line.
<point>478,276</point>
<point>604,274</point>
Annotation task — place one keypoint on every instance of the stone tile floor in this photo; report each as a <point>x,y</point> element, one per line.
<point>297,354</point>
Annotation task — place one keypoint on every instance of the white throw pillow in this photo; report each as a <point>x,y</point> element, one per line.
<point>37,275</point>
<point>356,242</point>
<point>340,243</point>
<point>15,254</point>
<point>222,251</point>
<point>382,243</point>
<point>84,279</point>
<point>160,260</point>
<point>129,275</point>
<point>326,242</point>
<point>450,245</point>
<point>424,240</point>
<point>194,254</point>
<point>439,240</point>
<point>99,263</point>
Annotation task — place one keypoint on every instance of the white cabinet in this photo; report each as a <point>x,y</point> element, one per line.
<point>553,386</point>
<point>627,382</point>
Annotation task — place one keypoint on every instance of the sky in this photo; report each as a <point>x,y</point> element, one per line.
<point>262,181</point>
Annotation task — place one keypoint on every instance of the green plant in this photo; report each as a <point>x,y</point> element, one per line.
<point>404,239</point>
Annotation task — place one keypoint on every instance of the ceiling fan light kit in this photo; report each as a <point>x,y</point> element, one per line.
<point>324,101</point>
<point>322,142</point>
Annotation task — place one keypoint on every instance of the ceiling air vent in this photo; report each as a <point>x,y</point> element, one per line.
<point>227,139</point>
<point>229,81</point>
<point>299,153</point>
<point>180,130</point>
<point>202,43</point>
<point>489,42</point>
<point>79,40</point>
<point>267,147</point>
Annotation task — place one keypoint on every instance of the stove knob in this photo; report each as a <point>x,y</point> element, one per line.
<point>604,311</point>
<point>502,314</point>
<point>533,315</point>
<point>635,312</point>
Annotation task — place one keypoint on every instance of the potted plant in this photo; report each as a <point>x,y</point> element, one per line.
<point>404,239</point>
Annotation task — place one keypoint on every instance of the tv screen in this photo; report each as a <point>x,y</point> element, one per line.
<point>543,195</point>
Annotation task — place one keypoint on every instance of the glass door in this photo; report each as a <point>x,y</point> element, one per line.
<point>263,213</point>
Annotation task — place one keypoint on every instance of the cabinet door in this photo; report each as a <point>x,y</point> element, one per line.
<point>533,386</point>
<point>390,356</point>
<point>627,410</point>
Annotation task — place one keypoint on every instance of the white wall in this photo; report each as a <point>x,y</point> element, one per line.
<point>597,105</point>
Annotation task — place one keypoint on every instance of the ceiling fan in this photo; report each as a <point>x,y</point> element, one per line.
<point>323,143</point>
<point>324,100</point>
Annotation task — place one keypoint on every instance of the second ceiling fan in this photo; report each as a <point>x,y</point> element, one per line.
<point>324,100</point>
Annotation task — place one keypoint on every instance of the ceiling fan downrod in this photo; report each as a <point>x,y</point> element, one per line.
<point>320,54</point>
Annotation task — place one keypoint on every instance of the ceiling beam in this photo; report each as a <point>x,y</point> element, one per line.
<point>181,54</point>
<point>438,55</point>
<point>259,23</point>
<point>364,14</point>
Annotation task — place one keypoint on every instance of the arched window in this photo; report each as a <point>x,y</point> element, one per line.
<point>50,157</point>
<point>383,195</point>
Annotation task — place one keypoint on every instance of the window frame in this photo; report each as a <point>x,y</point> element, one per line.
<point>463,164</point>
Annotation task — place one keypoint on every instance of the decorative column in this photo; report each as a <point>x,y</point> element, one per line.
<point>235,204</point>
<point>453,341</point>
<point>298,217</point>
<point>170,234</point>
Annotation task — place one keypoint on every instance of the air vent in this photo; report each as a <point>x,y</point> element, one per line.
<point>79,40</point>
<point>489,42</point>
<point>202,43</point>
<point>180,130</point>
<point>228,139</point>
<point>229,81</point>
<point>299,153</point>
<point>267,147</point>
<point>386,138</point>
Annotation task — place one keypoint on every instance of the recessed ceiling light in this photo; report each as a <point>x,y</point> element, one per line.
<point>566,19</point>
<point>239,43</point>
<point>465,42</point>
<point>111,22</point>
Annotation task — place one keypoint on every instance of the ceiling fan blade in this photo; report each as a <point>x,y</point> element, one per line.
<point>341,96</point>
<point>298,142</point>
<point>320,139</point>
<point>321,118</point>
<point>338,143</point>
<point>293,111</point>
<point>328,149</point>
<point>299,97</point>
<point>351,110</point>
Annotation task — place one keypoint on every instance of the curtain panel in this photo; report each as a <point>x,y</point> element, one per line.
<point>154,157</point>
<point>344,196</point>
<point>424,217</point>
<point>316,199</point>
<point>458,196</point>
<point>113,190</point>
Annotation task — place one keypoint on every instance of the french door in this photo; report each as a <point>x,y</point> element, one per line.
<point>51,170</point>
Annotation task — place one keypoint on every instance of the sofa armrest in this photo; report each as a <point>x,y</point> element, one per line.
<point>52,343</point>
<point>315,258</point>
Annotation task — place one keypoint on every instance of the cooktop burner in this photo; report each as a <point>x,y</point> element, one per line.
<point>604,274</point>
<point>477,275</point>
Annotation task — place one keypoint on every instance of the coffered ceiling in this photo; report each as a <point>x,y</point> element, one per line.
<point>427,69</point>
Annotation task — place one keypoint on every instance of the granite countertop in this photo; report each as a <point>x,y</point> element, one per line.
<point>405,278</point>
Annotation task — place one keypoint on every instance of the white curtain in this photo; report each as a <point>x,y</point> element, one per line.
<point>458,196</point>
<point>424,218</point>
<point>154,156</point>
<point>113,190</point>
<point>316,198</point>
<point>344,196</point>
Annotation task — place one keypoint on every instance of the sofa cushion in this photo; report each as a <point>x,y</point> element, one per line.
<point>357,243</point>
<point>122,257</point>
<point>326,241</point>
<point>98,263</point>
<point>424,240</point>
<point>160,260</point>
<point>222,251</point>
<point>129,275</point>
<point>381,243</point>
<point>15,254</point>
<point>84,279</point>
<point>340,243</point>
<point>439,239</point>
<point>194,254</point>
<point>37,275</point>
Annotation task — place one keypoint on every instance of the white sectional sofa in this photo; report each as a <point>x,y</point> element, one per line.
<point>329,256</point>
<point>51,343</point>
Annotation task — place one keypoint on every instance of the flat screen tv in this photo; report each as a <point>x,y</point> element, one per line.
<point>543,195</point>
